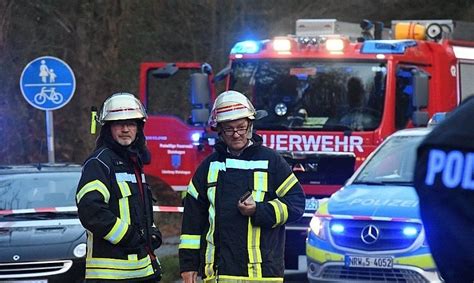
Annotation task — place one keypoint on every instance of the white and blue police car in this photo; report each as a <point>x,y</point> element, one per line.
<point>370,230</point>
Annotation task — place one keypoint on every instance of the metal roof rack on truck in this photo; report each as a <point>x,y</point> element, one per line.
<point>352,31</point>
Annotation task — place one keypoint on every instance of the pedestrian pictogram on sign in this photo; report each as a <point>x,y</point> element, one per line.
<point>47,83</point>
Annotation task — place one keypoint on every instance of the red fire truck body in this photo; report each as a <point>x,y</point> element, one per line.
<point>312,67</point>
<point>331,96</point>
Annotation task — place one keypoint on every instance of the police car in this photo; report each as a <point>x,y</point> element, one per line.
<point>370,230</point>
<point>41,237</point>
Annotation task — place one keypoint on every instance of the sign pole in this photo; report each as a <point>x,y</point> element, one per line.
<point>50,135</point>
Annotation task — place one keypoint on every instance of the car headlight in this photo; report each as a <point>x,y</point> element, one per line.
<point>317,225</point>
<point>80,250</point>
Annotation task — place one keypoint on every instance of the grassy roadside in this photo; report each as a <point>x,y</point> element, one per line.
<point>170,269</point>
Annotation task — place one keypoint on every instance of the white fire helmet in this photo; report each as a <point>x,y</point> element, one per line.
<point>230,106</point>
<point>122,106</point>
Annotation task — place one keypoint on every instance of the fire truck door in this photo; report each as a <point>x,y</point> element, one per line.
<point>177,98</point>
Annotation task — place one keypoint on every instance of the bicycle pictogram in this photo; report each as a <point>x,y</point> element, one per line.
<point>47,83</point>
<point>53,96</point>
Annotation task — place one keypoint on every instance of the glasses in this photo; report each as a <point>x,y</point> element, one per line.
<point>230,131</point>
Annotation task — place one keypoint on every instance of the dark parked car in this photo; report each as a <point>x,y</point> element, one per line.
<point>41,238</point>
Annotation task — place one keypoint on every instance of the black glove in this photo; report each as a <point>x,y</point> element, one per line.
<point>133,240</point>
<point>156,239</point>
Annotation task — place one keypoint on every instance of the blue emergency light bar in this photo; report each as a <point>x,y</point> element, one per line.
<point>386,46</point>
<point>246,47</point>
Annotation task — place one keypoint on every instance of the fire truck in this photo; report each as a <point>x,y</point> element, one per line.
<point>333,91</point>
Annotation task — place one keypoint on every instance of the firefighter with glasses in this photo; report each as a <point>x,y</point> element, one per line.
<point>114,201</point>
<point>237,203</point>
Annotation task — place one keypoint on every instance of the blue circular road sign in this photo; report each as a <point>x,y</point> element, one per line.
<point>47,83</point>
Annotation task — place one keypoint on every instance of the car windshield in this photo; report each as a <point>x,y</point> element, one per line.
<point>38,190</point>
<point>394,162</point>
<point>313,94</point>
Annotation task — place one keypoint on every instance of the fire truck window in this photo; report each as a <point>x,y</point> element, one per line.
<point>377,90</point>
<point>307,95</point>
<point>359,115</point>
<point>324,96</point>
<point>403,103</point>
<point>285,91</point>
<point>170,95</point>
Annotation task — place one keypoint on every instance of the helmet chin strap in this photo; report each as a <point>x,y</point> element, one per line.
<point>250,129</point>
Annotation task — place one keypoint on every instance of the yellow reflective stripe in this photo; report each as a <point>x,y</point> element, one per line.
<point>124,206</point>
<point>190,241</point>
<point>253,248</point>
<point>131,263</point>
<point>323,256</point>
<point>241,279</point>
<point>124,189</point>
<point>286,185</point>
<point>323,208</point>
<point>117,232</point>
<point>214,168</point>
<point>260,185</point>
<point>109,268</point>
<point>118,274</point>
<point>424,261</point>
<point>210,249</point>
<point>192,190</point>
<point>94,186</point>
<point>281,212</point>
<point>211,279</point>
<point>90,244</point>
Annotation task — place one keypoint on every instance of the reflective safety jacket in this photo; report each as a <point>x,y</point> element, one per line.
<point>221,243</point>
<point>115,206</point>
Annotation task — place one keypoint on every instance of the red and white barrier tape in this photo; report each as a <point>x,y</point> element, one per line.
<point>156,208</point>
<point>168,208</point>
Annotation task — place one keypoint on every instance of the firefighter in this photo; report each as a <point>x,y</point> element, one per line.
<point>444,181</point>
<point>114,201</point>
<point>237,203</point>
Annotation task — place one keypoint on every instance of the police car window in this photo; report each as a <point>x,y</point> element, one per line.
<point>393,163</point>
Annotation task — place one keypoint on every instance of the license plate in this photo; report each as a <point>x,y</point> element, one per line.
<point>368,262</point>
<point>311,204</point>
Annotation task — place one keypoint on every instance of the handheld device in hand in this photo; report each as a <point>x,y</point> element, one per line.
<point>245,196</point>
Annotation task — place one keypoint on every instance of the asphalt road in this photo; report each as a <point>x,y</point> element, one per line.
<point>296,278</point>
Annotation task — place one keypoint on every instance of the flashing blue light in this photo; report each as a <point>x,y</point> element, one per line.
<point>195,137</point>
<point>248,46</point>
<point>386,46</point>
<point>410,231</point>
<point>337,228</point>
<point>437,118</point>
